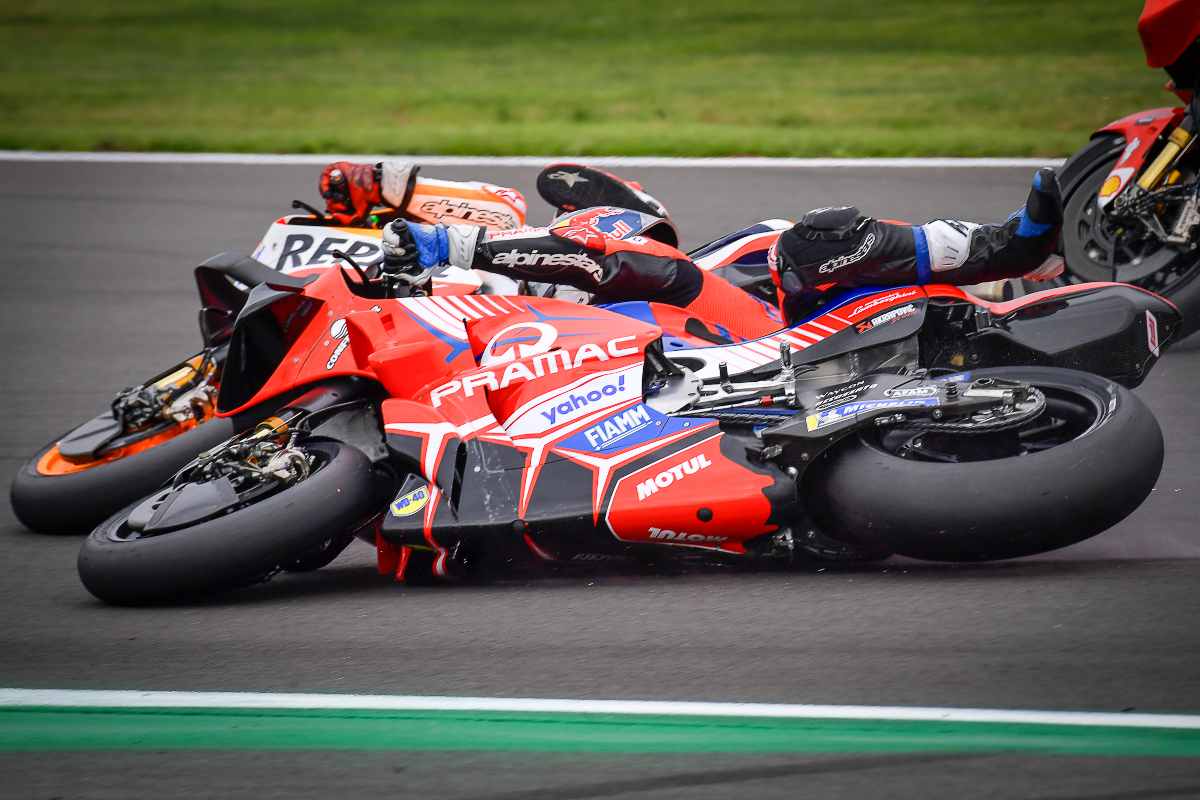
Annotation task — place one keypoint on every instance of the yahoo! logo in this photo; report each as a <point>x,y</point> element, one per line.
<point>577,400</point>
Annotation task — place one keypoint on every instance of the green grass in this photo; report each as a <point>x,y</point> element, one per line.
<point>694,77</point>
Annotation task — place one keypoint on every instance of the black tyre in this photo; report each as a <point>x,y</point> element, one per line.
<point>1091,246</point>
<point>75,502</point>
<point>1084,464</point>
<point>237,548</point>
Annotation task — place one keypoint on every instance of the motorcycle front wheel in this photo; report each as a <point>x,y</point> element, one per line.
<point>1078,468</point>
<point>236,545</point>
<point>1097,248</point>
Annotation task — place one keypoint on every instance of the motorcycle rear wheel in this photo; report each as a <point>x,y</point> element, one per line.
<point>233,549</point>
<point>1080,467</point>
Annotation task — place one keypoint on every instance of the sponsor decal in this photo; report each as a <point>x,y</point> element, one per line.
<point>337,331</point>
<point>664,535</point>
<point>534,258</point>
<point>912,391</point>
<point>627,428</point>
<point>885,299</point>
<point>569,178</point>
<point>582,235</point>
<point>518,341</point>
<point>612,431</point>
<point>610,220</point>
<point>299,249</point>
<point>843,394</point>
<point>510,195</point>
<point>671,474</point>
<point>583,398</point>
<point>834,264</point>
<point>537,366</point>
<point>958,377</point>
<point>887,317</point>
<point>408,504</point>
<point>442,208</point>
<point>1152,333</point>
<point>842,413</point>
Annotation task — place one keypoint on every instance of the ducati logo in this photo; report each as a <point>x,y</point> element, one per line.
<point>518,341</point>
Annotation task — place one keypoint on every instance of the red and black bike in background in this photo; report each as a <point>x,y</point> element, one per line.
<point>1132,195</point>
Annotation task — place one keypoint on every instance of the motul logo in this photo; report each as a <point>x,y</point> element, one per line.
<point>668,476</point>
<point>689,538</point>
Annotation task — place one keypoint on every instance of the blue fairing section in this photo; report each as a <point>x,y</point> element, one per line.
<point>842,298</point>
<point>713,246</point>
<point>628,428</point>
<point>642,312</point>
<point>635,309</point>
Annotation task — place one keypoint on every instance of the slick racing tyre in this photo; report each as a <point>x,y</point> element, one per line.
<point>51,495</point>
<point>1081,466</point>
<point>235,545</point>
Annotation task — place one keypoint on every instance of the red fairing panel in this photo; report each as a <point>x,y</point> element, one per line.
<point>1002,309</point>
<point>1167,27</point>
<point>1141,131</point>
<point>655,505</point>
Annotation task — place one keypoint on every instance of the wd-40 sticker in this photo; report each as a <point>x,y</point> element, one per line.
<point>408,504</point>
<point>833,416</point>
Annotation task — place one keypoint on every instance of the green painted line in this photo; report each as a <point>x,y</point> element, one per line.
<point>47,728</point>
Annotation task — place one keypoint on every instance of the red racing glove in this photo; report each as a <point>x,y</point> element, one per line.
<point>350,191</point>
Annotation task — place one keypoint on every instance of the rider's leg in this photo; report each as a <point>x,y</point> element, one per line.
<point>840,247</point>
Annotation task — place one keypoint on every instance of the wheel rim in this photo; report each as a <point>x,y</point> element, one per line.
<point>52,463</point>
<point>1094,245</point>
<point>1068,415</point>
<point>123,533</point>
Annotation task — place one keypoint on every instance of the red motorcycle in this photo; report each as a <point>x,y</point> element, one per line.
<point>464,435</point>
<point>1132,196</point>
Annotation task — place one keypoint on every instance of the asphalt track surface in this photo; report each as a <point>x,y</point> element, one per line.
<point>97,293</point>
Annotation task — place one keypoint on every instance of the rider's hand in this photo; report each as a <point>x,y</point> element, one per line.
<point>350,191</point>
<point>411,249</point>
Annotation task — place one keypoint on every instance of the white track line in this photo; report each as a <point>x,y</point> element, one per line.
<point>263,700</point>
<point>530,161</point>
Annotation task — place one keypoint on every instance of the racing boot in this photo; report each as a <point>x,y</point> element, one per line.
<point>571,187</point>
<point>840,247</point>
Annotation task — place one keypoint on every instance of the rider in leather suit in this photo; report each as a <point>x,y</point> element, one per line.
<point>614,252</point>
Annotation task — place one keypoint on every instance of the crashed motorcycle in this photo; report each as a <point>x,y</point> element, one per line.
<point>465,436</point>
<point>1132,195</point>
<point>152,429</point>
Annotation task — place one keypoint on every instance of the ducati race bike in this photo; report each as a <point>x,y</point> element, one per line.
<point>153,429</point>
<point>463,436</point>
<point>1132,195</point>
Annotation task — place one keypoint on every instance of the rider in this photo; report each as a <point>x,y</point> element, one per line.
<point>602,250</point>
